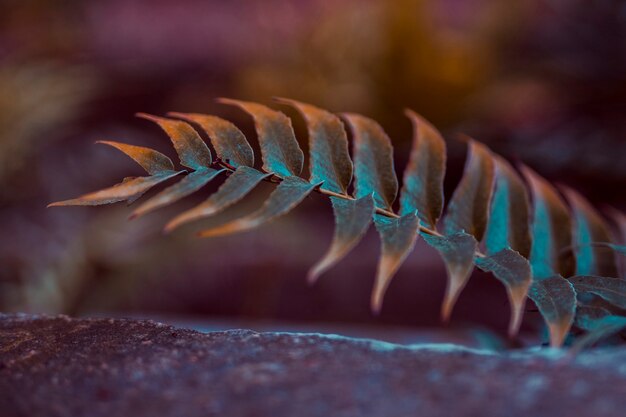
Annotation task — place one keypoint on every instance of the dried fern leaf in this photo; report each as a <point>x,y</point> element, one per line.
<point>191,149</point>
<point>589,227</point>
<point>513,270</point>
<point>239,184</point>
<point>229,142</point>
<point>373,161</point>
<point>188,185</point>
<point>469,215</point>
<point>551,234</point>
<point>507,239</point>
<point>422,188</point>
<point>468,210</point>
<point>155,163</point>
<point>287,195</point>
<point>465,222</point>
<point>612,290</point>
<point>457,251</point>
<point>280,151</point>
<point>555,298</point>
<point>328,147</point>
<point>352,219</point>
<point>551,229</point>
<point>150,160</point>
<point>398,236</point>
<point>128,189</point>
<point>509,218</point>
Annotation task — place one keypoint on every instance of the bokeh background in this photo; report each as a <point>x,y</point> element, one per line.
<point>539,81</point>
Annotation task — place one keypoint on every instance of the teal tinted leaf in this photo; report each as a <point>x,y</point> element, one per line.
<point>128,189</point>
<point>152,161</point>
<point>457,251</point>
<point>423,177</point>
<point>188,185</point>
<point>586,316</point>
<point>551,230</point>
<point>398,236</point>
<point>229,142</point>
<point>287,195</point>
<point>279,148</point>
<point>236,187</point>
<point>612,290</point>
<point>468,209</point>
<point>509,224</point>
<point>555,298</point>
<point>328,147</point>
<point>191,149</point>
<point>352,219</point>
<point>589,227</point>
<point>600,329</point>
<point>373,161</point>
<point>513,270</point>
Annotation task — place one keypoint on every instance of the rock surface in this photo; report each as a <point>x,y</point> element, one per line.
<point>58,366</point>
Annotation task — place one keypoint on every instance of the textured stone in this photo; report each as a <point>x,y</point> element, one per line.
<point>57,366</point>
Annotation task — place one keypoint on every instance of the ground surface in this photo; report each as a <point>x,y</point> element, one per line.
<point>57,366</point>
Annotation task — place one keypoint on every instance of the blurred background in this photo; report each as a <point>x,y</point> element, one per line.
<point>539,81</point>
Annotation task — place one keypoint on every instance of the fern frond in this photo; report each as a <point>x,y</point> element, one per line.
<point>526,248</point>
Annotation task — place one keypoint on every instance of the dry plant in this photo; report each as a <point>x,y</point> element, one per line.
<point>556,251</point>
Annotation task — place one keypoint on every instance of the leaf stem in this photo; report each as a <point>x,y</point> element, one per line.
<point>274,179</point>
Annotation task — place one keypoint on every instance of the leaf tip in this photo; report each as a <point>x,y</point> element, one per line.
<point>517,298</point>
<point>446,310</point>
<point>284,100</point>
<point>417,119</point>
<point>410,113</point>
<point>558,331</point>
<point>317,270</point>
<point>147,116</point>
<point>228,101</point>
<point>456,283</point>
<point>135,214</point>
<point>172,225</point>
<point>179,115</point>
<point>312,277</point>
<point>65,203</point>
<point>376,303</point>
